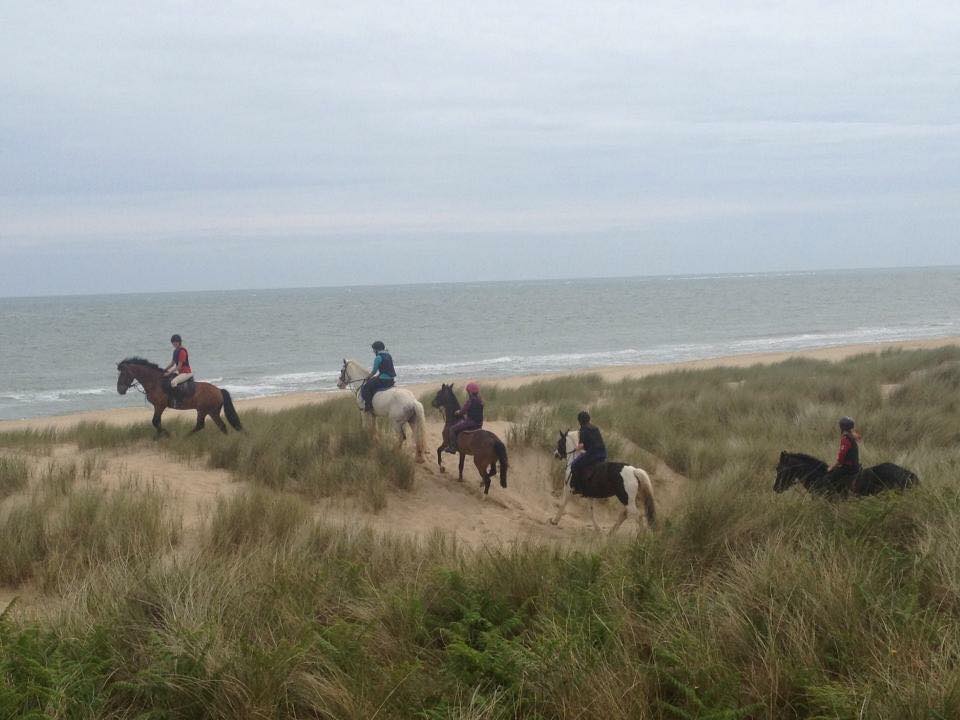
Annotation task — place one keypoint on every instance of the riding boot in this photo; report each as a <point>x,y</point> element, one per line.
<point>451,446</point>
<point>170,392</point>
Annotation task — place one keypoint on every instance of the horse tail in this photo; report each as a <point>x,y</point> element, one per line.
<point>230,411</point>
<point>419,422</point>
<point>645,491</point>
<point>501,451</point>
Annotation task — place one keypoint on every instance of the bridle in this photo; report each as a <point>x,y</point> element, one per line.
<point>135,384</point>
<point>797,472</point>
<point>566,453</point>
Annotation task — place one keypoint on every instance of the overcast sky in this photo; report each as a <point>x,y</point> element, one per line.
<point>164,146</point>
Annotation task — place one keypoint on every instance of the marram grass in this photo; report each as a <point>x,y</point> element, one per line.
<point>743,604</point>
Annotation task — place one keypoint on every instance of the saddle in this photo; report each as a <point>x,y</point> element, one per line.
<point>594,477</point>
<point>183,391</point>
<point>580,480</point>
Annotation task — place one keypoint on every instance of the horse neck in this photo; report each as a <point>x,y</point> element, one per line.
<point>573,439</point>
<point>356,371</point>
<point>146,376</point>
<point>808,471</point>
<point>451,405</point>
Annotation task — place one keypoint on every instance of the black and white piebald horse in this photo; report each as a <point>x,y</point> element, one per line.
<point>630,485</point>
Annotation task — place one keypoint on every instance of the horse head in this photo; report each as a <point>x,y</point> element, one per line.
<point>445,397</point>
<point>564,446</point>
<point>136,369</point>
<point>125,380</point>
<point>342,380</point>
<point>795,467</point>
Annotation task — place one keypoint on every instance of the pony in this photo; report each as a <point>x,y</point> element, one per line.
<point>207,400</point>
<point>395,403</point>
<point>485,447</point>
<point>814,475</point>
<point>630,485</point>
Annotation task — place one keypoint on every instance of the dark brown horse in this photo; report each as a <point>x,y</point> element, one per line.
<point>486,448</point>
<point>207,400</point>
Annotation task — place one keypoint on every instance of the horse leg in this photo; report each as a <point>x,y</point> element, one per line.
<point>483,468</point>
<point>199,425</point>
<point>563,504</point>
<point>463,457</point>
<point>624,511</point>
<point>593,517</point>
<point>219,422</point>
<point>440,457</point>
<point>157,412</point>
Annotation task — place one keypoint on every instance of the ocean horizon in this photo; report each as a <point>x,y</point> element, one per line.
<point>59,353</point>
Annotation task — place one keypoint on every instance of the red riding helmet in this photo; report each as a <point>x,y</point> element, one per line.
<point>473,388</point>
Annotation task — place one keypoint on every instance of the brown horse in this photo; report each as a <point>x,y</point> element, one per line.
<point>207,400</point>
<point>485,447</point>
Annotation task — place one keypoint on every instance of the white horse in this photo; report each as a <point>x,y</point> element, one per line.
<point>627,483</point>
<point>395,403</point>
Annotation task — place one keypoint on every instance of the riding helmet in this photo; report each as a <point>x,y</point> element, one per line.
<point>846,423</point>
<point>583,417</point>
<point>473,388</point>
<point>176,338</point>
<point>378,346</point>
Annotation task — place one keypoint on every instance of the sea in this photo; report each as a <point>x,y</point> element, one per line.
<point>59,354</point>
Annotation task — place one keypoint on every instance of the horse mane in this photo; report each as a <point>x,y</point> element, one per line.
<point>806,458</point>
<point>140,361</point>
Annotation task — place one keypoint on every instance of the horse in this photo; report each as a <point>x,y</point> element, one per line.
<point>815,476</point>
<point>485,447</point>
<point>395,403</point>
<point>207,400</point>
<point>630,485</point>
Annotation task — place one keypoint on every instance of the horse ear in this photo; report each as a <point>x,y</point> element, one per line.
<point>344,361</point>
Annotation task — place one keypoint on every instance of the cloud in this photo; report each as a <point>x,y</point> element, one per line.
<point>149,122</point>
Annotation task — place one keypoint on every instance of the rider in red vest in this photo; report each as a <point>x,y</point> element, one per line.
<point>848,457</point>
<point>179,367</point>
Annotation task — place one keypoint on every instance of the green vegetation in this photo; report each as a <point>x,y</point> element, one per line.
<point>744,604</point>
<point>14,475</point>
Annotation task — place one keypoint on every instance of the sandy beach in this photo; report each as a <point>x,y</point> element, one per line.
<point>127,415</point>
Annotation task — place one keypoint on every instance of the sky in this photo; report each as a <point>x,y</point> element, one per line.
<point>180,145</point>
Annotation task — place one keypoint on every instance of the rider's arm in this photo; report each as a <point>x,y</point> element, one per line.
<point>376,366</point>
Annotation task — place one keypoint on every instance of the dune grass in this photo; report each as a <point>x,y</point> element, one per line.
<point>64,528</point>
<point>14,475</point>
<point>743,604</point>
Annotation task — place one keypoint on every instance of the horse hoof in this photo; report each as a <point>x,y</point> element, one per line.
<point>554,521</point>
<point>442,469</point>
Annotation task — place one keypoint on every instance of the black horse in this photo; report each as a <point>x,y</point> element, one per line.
<point>815,476</point>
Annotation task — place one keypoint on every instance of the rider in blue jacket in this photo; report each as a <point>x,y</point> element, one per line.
<point>382,376</point>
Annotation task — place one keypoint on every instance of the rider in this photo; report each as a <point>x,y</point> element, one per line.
<point>382,376</point>
<point>471,415</point>
<point>848,458</point>
<point>179,367</point>
<point>594,450</point>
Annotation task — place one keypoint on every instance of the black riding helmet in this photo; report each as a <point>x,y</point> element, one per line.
<point>583,417</point>
<point>176,338</point>
<point>378,346</point>
<point>846,423</point>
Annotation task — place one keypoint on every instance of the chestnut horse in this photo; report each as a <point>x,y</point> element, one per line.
<point>485,446</point>
<point>207,400</point>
